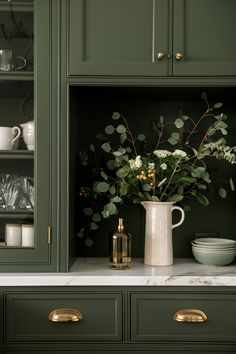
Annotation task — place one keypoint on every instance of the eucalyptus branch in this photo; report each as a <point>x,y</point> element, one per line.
<point>205,114</point>
<point>131,135</point>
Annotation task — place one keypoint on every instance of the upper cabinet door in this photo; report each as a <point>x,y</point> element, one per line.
<point>204,34</point>
<point>118,37</point>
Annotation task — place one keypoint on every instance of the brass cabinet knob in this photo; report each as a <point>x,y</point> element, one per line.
<point>160,55</point>
<point>178,56</point>
<point>190,315</point>
<point>65,315</point>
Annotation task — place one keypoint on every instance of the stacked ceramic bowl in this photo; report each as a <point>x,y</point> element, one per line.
<point>214,251</point>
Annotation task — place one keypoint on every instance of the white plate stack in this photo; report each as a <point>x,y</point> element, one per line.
<point>214,251</point>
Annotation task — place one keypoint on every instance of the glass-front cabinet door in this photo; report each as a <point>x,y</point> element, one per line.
<point>25,199</point>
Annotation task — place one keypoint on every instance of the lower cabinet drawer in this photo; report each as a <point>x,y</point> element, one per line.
<point>27,317</point>
<point>152,317</point>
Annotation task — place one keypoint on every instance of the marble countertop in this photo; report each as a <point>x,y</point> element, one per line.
<point>96,272</point>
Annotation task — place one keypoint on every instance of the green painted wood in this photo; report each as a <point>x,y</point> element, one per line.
<point>204,32</point>
<point>43,256</point>
<point>219,327</point>
<point>102,317</point>
<point>114,37</point>
<point>120,38</point>
<point>32,304</point>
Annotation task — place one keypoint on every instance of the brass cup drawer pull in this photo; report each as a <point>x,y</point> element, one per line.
<point>190,316</point>
<point>65,315</point>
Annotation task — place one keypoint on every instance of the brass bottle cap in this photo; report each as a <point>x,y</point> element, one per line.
<point>120,224</point>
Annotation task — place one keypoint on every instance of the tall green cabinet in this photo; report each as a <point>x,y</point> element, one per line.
<point>27,95</point>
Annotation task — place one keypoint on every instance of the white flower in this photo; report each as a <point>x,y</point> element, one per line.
<point>163,166</point>
<point>179,153</point>
<point>162,153</point>
<point>132,164</point>
<point>151,166</point>
<point>138,161</point>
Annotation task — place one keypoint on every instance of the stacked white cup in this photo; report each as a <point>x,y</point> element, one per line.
<point>19,235</point>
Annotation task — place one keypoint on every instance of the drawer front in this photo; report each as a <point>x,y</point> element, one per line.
<point>27,317</point>
<point>152,317</point>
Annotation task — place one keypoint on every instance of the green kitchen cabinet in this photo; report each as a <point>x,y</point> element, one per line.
<point>25,95</point>
<point>118,320</point>
<point>163,38</point>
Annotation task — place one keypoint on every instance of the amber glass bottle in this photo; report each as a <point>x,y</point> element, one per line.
<point>120,247</point>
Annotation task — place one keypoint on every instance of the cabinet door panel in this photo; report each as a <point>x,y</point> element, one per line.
<point>102,317</point>
<point>220,324</point>
<point>117,37</point>
<point>204,32</point>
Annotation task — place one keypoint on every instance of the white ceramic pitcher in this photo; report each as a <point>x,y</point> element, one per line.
<point>28,134</point>
<point>158,232</point>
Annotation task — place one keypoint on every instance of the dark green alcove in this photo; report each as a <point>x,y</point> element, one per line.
<point>91,110</point>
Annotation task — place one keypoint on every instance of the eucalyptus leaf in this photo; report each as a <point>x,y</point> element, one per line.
<point>175,198</point>
<point>179,123</point>
<point>218,105</point>
<point>112,189</point>
<point>146,187</point>
<point>123,188</point>
<point>91,147</point>
<point>93,226</point>
<point>96,217</point>
<point>172,141</point>
<point>89,242</point>
<point>104,175</point>
<point>155,198</point>
<point>141,137</point>
<point>102,187</point>
<point>202,199</point>
<point>222,193</point>
<point>109,129</point>
<point>88,211</point>
<point>122,172</point>
<point>111,164</point>
<point>111,208</point>
<point>223,131</point>
<point>123,137</point>
<point>116,199</point>
<point>231,183</point>
<point>116,115</point>
<point>121,129</point>
<point>198,171</point>
<point>80,234</point>
<point>106,147</point>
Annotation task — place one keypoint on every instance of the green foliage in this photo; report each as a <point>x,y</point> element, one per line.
<point>175,170</point>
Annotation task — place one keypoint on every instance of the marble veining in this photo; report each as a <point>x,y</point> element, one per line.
<point>96,272</point>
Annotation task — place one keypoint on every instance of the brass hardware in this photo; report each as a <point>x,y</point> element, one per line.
<point>160,55</point>
<point>49,235</point>
<point>65,315</point>
<point>178,56</point>
<point>190,315</point>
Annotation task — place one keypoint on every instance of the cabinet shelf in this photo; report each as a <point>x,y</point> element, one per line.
<point>17,76</point>
<point>17,154</point>
<point>21,214</point>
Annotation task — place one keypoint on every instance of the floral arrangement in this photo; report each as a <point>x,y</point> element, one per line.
<point>176,168</point>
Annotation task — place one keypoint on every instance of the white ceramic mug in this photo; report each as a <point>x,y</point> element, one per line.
<point>13,234</point>
<point>27,235</point>
<point>9,61</point>
<point>8,137</point>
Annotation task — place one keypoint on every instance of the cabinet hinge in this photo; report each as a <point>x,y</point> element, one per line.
<point>49,235</point>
